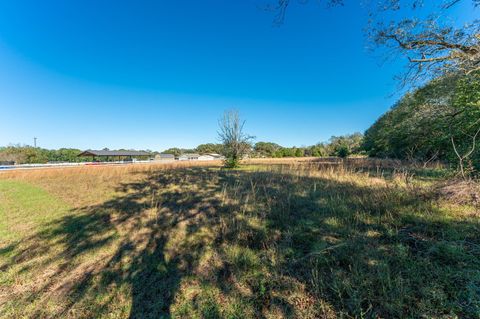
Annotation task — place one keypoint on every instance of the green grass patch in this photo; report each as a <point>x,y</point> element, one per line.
<point>24,208</point>
<point>260,241</point>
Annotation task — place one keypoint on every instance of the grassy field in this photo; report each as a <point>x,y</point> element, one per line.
<point>270,240</point>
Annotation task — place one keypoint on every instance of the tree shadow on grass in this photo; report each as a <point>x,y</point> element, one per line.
<point>212,243</point>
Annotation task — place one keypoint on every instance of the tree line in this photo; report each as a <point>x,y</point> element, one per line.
<point>439,121</point>
<point>341,146</point>
<point>25,154</point>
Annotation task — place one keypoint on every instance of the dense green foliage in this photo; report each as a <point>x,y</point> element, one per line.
<point>35,155</point>
<point>209,148</point>
<point>341,146</point>
<point>178,151</point>
<point>424,124</point>
<point>29,155</point>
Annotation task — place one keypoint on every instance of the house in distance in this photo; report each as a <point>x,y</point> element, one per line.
<point>200,157</point>
<point>107,155</point>
<point>189,157</point>
<point>131,156</point>
<point>164,157</point>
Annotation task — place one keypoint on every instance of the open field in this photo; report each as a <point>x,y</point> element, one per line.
<point>270,240</point>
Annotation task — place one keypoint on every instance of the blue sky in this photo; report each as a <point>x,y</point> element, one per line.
<point>156,74</point>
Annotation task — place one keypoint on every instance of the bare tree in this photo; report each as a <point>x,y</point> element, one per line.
<point>432,42</point>
<point>235,141</point>
<point>466,155</point>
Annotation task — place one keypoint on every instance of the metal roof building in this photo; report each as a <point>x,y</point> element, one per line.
<point>165,157</point>
<point>105,153</point>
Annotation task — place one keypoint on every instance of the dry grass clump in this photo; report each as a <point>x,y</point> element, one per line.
<point>463,192</point>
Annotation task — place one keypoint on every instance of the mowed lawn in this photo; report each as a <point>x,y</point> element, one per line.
<point>264,241</point>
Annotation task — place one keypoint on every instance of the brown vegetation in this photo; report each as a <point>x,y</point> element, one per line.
<point>297,240</point>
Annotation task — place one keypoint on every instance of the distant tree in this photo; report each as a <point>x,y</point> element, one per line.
<point>209,148</point>
<point>342,151</point>
<point>299,152</point>
<point>266,149</point>
<point>65,155</point>
<point>10,153</point>
<point>178,151</point>
<point>343,146</point>
<point>174,151</point>
<point>318,150</point>
<point>288,152</point>
<point>279,153</point>
<point>34,154</point>
<point>236,143</point>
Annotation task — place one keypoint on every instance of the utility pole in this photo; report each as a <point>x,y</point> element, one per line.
<point>35,142</point>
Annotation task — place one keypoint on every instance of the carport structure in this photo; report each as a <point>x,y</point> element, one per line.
<point>107,154</point>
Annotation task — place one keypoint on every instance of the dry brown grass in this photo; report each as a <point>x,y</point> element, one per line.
<point>38,173</point>
<point>463,192</point>
<point>84,185</point>
<point>278,238</point>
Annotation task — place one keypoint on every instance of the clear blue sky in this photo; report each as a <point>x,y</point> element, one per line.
<point>156,74</point>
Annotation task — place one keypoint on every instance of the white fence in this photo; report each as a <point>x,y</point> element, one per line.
<point>53,165</point>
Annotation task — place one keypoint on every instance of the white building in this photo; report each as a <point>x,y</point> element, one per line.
<point>198,157</point>
<point>188,157</point>
<point>217,156</point>
<point>206,157</point>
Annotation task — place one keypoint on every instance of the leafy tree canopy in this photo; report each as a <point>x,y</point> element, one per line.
<point>426,124</point>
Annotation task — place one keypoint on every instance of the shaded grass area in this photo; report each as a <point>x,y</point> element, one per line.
<point>257,242</point>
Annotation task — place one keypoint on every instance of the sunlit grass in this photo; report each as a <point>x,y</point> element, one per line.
<point>272,239</point>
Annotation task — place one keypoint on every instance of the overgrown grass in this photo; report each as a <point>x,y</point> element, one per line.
<point>265,241</point>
